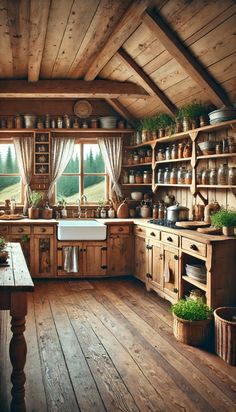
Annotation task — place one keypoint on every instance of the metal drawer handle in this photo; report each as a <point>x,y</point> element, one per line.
<point>140,230</point>
<point>43,229</point>
<point>176,257</point>
<point>121,229</point>
<point>175,290</point>
<point>20,230</point>
<point>170,239</point>
<point>193,247</point>
<point>153,234</point>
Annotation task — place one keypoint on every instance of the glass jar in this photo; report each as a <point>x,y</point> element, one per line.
<point>66,121</point>
<point>187,152</point>
<point>168,153</point>
<point>181,176</point>
<point>173,176</point>
<point>161,155</point>
<point>222,175</point>
<point>188,177</point>
<point>130,159</point>
<point>148,157</point>
<point>232,176</point>
<point>174,152</point>
<point>205,177</point>
<point>138,177</point>
<point>213,177</point>
<point>155,212</point>
<point>161,211</point>
<point>160,176</point>
<point>135,158</point>
<point>180,150</point>
<point>131,177</point>
<point>94,123</point>
<point>219,148</point>
<point>199,177</point>
<point>138,137</point>
<point>147,176</point>
<point>167,176</point>
<point>125,177</point>
<point>59,122</point>
<point>225,143</point>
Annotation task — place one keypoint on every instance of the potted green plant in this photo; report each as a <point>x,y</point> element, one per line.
<point>62,204</point>
<point>35,199</point>
<point>3,251</point>
<point>192,321</point>
<point>226,219</point>
<point>190,115</point>
<point>165,122</point>
<point>146,125</point>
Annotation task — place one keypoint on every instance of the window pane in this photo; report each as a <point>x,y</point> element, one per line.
<point>10,187</point>
<point>68,188</point>
<point>94,189</point>
<point>74,164</point>
<point>8,163</point>
<point>93,161</point>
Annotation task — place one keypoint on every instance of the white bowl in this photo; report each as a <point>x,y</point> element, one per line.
<point>136,195</point>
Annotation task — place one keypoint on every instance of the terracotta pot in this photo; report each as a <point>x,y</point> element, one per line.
<point>228,230</point>
<point>47,214</point>
<point>194,333</point>
<point>33,213</point>
<point>3,256</point>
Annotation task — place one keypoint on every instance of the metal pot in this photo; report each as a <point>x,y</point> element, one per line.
<point>177,213</point>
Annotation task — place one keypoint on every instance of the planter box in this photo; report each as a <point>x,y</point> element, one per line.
<point>225,334</point>
<point>194,333</point>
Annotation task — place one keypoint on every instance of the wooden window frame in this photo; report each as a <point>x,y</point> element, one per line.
<point>9,141</point>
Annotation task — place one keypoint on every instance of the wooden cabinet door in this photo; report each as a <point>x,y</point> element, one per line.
<point>120,250</point>
<point>44,256</point>
<point>61,257</point>
<point>140,264</point>
<point>24,240</point>
<point>171,271</point>
<point>154,255</point>
<point>94,258</point>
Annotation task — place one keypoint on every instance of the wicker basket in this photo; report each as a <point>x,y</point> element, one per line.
<point>225,334</point>
<point>194,333</point>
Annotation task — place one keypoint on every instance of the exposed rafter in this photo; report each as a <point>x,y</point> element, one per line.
<point>118,106</point>
<point>69,89</point>
<point>39,11</point>
<point>147,83</point>
<point>185,58</point>
<point>126,26</point>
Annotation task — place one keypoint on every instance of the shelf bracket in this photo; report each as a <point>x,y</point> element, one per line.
<point>205,200</point>
<point>193,135</point>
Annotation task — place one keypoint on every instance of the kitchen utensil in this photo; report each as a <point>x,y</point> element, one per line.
<point>177,213</point>
<point>209,230</point>
<point>192,224</point>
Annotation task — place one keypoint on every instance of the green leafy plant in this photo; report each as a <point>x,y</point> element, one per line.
<point>147,124</point>
<point>191,111</point>
<point>35,199</point>
<point>2,243</point>
<point>224,217</point>
<point>192,310</point>
<point>61,201</point>
<point>164,120</point>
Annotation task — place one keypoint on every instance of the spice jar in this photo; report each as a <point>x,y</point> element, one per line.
<point>174,152</point>
<point>59,122</point>
<point>181,176</point>
<point>161,155</point>
<point>205,177</point>
<point>130,158</point>
<point>148,157</point>
<point>187,152</point>
<point>131,177</point>
<point>213,177</point>
<point>173,176</point>
<point>18,121</point>
<point>188,177</point>
<point>168,153</point>
<point>232,176</point>
<point>47,121</point>
<point>66,121</point>
<point>155,212</point>
<point>125,177</point>
<point>167,176</point>
<point>147,176</point>
<point>135,158</point>
<point>94,123</point>
<point>160,176</point>
<point>180,150</point>
<point>138,177</point>
<point>199,177</point>
<point>222,175</point>
<point>161,211</point>
<point>219,148</point>
<point>85,125</point>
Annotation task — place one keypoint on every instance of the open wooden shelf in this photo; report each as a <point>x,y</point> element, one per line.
<point>138,165</point>
<point>173,185</point>
<point>216,156</point>
<point>79,130</point>
<point>185,159</point>
<point>137,184</point>
<point>194,282</point>
<point>216,186</point>
<point>135,146</point>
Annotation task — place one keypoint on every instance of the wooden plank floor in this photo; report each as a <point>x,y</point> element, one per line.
<point>107,345</point>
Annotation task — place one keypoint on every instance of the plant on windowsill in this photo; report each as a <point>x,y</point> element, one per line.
<point>226,219</point>
<point>35,200</point>
<point>192,321</point>
<point>3,251</point>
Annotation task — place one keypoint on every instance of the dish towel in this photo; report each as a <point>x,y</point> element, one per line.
<point>71,259</point>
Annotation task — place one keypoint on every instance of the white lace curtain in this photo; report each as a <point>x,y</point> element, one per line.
<point>24,152</point>
<point>111,149</point>
<point>62,150</point>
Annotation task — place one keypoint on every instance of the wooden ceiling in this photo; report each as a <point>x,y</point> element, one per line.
<point>168,52</point>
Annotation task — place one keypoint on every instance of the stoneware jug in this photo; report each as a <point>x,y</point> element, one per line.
<point>123,210</point>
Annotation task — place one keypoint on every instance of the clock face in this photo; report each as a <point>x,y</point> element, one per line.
<point>83,108</point>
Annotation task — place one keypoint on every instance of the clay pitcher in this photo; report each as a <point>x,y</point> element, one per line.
<point>123,210</point>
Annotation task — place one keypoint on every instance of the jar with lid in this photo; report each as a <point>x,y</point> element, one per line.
<point>148,157</point>
<point>160,176</point>
<point>142,154</point>
<point>40,123</point>
<point>167,176</point>
<point>135,158</point>
<point>85,124</point>
<point>222,175</point>
<point>125,177</point>
<point>213,177</point>
<point>130,158</point>
<point>18,121</point>
<point>181,176</point>
<point>174,152</point>
<point>188,177</point>
<point>155,212</point>
<point>94,123</point>
<point>168,153</point>
<point>66,121</point>
<point>161,211</point>
<point>131,177</point>
<point>199,177</point>
<point>47,121</point>
<point>180,150</point>
<point>138,137</point>
<point>161,155</point>
<point>232,176</point>
<point>187,152</point>
<point>138,177</point>
<point>59,122</point>
<point>219,148</point>
<point>173,176</point>
<point>147,176</point>
<point>205,177</point>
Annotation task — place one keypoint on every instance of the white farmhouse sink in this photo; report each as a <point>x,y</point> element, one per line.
<point>81,230</point>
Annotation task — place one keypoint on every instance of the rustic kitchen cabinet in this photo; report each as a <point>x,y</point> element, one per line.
<point>44,256</point>
<point>140,253</point>
<point>154,277</point>
<point>120,249</point>
<point>170,272</point>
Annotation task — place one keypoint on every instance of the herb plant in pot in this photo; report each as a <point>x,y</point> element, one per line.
<point>35,199</point>
<point>3,251</point>
<point>190,115</point>
<point>226,219</point>
<point>165,124</point>
<point>192,323</point>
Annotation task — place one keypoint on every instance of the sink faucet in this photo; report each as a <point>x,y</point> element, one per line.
<point>83,199</point>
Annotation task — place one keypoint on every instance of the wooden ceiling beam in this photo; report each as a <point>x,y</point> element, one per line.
<point>69,89</point>
<point>147,83</point>
<point>185,58</point>
<point>39,12</point>
<point>125,27</point>
<point>119,108</point>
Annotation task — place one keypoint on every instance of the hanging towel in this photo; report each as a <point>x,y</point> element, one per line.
<point>167,271</point>
<point>71,258</point>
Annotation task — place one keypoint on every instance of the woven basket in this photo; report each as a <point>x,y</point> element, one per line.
<point>194,333</point>
<point>225,334</point>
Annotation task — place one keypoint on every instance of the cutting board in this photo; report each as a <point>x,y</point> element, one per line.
<point>209,230</point>
<point>192,224</point>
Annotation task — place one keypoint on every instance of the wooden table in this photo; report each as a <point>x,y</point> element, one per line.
<point>15,282</point>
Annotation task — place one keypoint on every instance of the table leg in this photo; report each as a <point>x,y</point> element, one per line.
<point>18,350</point>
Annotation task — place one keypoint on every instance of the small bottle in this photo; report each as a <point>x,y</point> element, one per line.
<point>111,213</point>
<point>160,176</point>
<point>173,176</point>
<point>167,176</point>
<point>66,121</point>
<point>147,177</point>
<point>168,153</point>
<point>174,152</point>
<point>103,213</point>
<point>131,177</point>
<point>180,150</point>
<point>60,122</point>
<point>155,212</point>
<point>125,177</point>
<point>47,121</point>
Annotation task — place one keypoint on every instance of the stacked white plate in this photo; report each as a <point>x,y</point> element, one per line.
<point>222,115</point>
<point>108,122</point>
<point>196,271</point>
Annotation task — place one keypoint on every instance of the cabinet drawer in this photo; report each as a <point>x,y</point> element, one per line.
<point>170,238</point>
<point>120,229</point>
<point>41,230</point>
<point>20,229</point>
<point>3,230</point>
<point>193,246</point>
<point>154,234</point>
<point>140,230</point>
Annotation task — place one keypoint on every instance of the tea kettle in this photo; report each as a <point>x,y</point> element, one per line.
<point>177,213</point>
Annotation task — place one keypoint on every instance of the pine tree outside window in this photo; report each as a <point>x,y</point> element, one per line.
<point>85,174</point>
<point>10,180</point>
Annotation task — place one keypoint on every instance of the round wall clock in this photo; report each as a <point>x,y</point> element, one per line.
<point>83,108</point>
